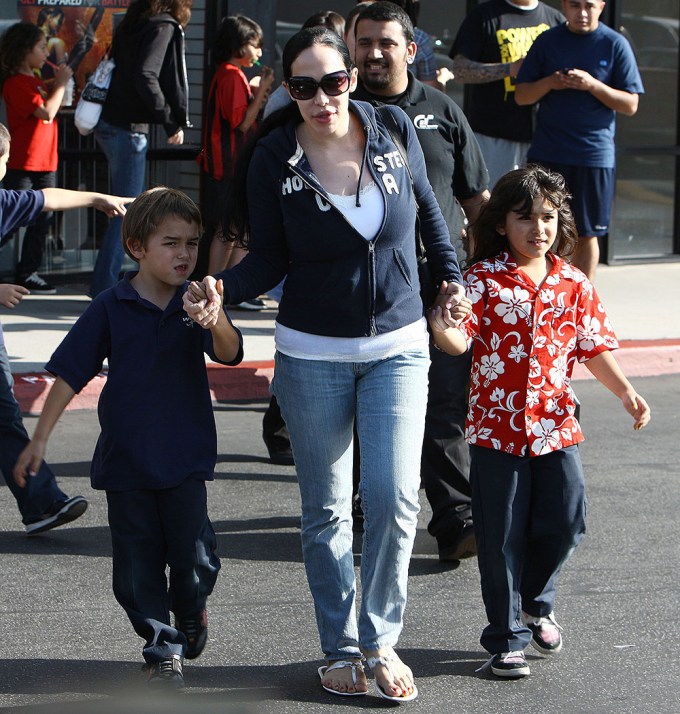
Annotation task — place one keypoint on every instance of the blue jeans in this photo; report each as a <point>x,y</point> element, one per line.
<point>319,402</point>
<point>126,153</point>
<point>529,515</point>
<point>41,491</point>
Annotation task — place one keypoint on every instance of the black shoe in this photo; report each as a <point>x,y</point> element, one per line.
<point>166,673</point>
<point>195,629</point>
<point>60,513</point>
<point>37,285</point>
<point>510,664</point>
<point>279,451</point>
<point>463,546</point>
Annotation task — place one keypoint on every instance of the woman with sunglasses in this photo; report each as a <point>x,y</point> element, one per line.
<point>327,202</point>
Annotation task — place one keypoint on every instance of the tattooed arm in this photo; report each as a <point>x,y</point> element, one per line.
<point>468,72</point>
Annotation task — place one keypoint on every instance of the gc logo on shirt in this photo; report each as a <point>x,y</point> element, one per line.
<point>422,121</point>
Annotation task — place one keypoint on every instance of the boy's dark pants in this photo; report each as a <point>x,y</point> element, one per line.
<point>529,515</point>
<point>149,530</point>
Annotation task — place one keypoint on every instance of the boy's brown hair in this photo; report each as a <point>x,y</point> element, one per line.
<point>147,211</point>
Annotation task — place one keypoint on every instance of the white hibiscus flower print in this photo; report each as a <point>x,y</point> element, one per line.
<point>491,366</point>
<point>517,353</point>
<point>588,333</point>
<point>514,304</point>
<point>547,437</point>
<point>558,372</point>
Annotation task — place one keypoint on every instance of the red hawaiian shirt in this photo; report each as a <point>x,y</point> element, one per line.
<point>526,341</point>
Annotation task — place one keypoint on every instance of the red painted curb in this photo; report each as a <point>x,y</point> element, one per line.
<point>250,381</point>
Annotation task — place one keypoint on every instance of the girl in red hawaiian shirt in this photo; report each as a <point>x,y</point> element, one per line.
<point>533,315</point>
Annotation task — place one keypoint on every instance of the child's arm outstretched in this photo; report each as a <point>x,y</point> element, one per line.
<point>32,456</point>
<point>606,370</point>
<point>63,199</point>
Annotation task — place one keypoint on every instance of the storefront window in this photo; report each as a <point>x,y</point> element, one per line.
<point>644,211</point>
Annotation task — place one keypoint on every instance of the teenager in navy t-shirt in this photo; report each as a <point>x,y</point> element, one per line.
<point>582,73</point>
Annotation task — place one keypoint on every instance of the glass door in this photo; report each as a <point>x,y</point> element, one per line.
<point>644,217</point>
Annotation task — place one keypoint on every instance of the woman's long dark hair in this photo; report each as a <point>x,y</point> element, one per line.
<point>235,220</point>
<point>516,191</point>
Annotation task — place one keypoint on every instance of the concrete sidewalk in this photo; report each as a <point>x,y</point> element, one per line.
<point>642,301</point>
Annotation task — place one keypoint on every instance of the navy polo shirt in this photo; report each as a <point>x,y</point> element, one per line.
<point>155,411</point>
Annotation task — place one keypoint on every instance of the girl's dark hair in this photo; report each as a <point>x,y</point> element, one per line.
<point>17,41</point>
<point>140,11</point>
<point>516,191</point>
<point>235,32</point>
<point>235,221</point>
<point>328,19</point>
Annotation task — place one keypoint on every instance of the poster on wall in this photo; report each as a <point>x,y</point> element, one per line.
<point>78,32</point>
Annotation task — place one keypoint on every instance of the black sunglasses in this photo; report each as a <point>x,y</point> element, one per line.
<point>332,84</point>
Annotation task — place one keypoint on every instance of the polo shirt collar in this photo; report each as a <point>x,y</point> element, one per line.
<point>124,290</point>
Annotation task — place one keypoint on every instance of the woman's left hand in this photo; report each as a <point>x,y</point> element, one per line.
<point>177,138</point>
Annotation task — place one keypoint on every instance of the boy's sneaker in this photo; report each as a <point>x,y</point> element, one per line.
<point>165,673</point>
<point>60,513</point>
<point>37,285</point>
<point>195,629</point>
<point>510,664</point>
<point>546,634</point>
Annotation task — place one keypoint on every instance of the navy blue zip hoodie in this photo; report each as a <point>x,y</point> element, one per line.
<point>339,284</point>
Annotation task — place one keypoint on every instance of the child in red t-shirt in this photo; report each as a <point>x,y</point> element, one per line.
<point>230,119</point>
<point>31,110</point>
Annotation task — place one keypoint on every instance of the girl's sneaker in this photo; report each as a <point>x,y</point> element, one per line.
<point>510,665</point>
<point>546,634</point>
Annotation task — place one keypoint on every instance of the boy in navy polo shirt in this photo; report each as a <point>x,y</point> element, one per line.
<point>151,461</point>
<point>43,505</point>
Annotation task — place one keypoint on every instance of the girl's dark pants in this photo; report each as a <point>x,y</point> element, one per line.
<point>152,529</point>
<point>529,515</point>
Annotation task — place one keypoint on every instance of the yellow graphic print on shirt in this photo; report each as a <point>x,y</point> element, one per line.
<point>514,43</point>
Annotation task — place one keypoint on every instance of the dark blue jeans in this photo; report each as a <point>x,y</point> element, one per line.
<point>33,247</point>
<point>41,491</point>
<point>126,154</point>
<point>152,529</point>
<point>529,515</point>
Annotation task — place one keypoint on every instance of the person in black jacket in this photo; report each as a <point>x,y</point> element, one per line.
<point>149,86</point>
